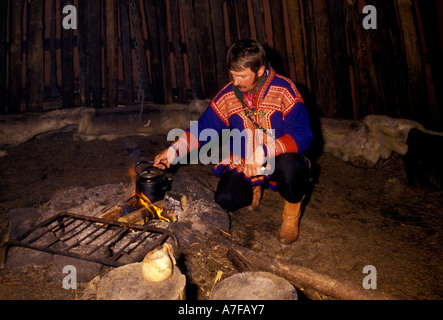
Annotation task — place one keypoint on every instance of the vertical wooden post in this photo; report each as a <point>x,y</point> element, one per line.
<point>67,63</point>
<point>206,47</point>
<point>311,51</point>
<point>53,87</point>
<point>160,9</point>
<point>259,20</point>
<point>35,79</point>
<point>192,49</point>
<point>111,54</point>
<point>15,57</point>
<point>416,79</point>
<point>295,24</point>
<point>232,18</point>
<point>178,55</point>
<point>147,88</point>
<point>340,59</point>
<point>95,51</point>
<point>126,52</point>
<point>3,28</point>
<point>243,19</point>
<point>388,60</point>
<point>158,89</point>
<point>83,53</point>
<point>281,62</point>
<point>325,71</point>
<point>430,21</point>
<point>218,29</point>
<point>367,92</point>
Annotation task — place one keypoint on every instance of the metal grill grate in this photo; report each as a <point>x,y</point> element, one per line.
<point>86,238</point>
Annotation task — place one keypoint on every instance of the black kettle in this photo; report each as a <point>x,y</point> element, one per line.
<point>152,182</point>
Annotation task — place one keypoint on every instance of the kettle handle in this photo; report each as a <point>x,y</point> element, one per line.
<point>166,184</point>
<point>151,166</point>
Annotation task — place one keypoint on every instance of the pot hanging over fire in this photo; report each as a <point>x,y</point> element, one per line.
<point>152,182</point>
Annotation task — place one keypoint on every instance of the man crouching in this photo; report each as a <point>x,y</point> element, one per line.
<point>270,108</point>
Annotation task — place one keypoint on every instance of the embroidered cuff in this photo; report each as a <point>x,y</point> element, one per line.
<point>185,144</point>
<point>282,145</point>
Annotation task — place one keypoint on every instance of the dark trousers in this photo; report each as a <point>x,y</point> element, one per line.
<point>292,175</point>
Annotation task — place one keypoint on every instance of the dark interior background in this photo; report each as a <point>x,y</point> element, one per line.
<point>341,68</point>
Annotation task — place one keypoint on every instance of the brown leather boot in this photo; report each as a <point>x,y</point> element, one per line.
<point>291,222</point>
<point>256,197</point>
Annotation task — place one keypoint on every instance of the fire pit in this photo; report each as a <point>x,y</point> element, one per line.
<point>125,230</point>
<point>124,242</point>
<point>110,225</point>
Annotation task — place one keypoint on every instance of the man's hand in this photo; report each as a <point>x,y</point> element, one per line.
<point>254,163</point>
<point>165,157</point>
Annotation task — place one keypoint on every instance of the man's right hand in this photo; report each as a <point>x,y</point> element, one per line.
<point>163,158</point>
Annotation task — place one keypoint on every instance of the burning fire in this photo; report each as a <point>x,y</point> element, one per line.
<point>156,211</point>
<point>143,201</point>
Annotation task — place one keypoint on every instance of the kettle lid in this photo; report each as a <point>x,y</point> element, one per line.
<point>150,174</point>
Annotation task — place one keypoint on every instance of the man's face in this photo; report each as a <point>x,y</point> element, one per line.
<point>246,80</point>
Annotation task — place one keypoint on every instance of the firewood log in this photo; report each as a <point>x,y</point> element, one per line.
<point>302,277</point>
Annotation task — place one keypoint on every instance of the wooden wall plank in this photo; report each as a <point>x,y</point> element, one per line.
<point>178,55</point>
<point>160,9</point>
<point>325,70</point>
<point>340,59</point>
<point>389,60</point>
<point>417,90</point>
<point>206,47</point>
<point>125,29</point>
<point>35,78</point>
<point>363,66</point>
<point>280,62</point>
<point>233,23</point>
<point>83,54</point>
<point>243,19</point>
<point>15,57</point>
<point>95,52</point>
<point>53,86</point>
<point>143,58</point>
<point>218,29</point>
<point>67,63</point>
<point>430,22</point>
<point>192,49</point>
<point>295,25</point>
<point>158,88</point>
<point>3,30</point>
<point>311,50</point>
<point>257,8</point>
<point>111,54</point>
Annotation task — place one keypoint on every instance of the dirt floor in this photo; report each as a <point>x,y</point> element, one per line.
<point>354,217</point>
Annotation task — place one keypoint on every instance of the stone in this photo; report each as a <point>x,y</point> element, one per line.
<point>127,283</point>
<point>254,286</point>
<point>366,141</point>
<point>17,129</point>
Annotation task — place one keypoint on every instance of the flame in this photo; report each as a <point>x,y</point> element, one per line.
<point>143,200</point>
<point>156,211</point>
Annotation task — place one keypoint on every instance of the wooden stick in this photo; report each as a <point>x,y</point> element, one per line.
<point>128,195</point>
<point>301,277</point>
<point>135,216</point>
